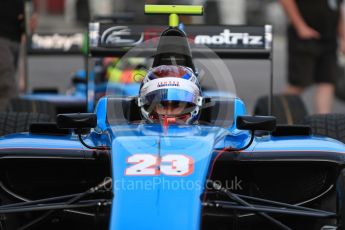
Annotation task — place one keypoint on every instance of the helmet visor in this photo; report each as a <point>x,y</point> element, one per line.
<point>170,102</point>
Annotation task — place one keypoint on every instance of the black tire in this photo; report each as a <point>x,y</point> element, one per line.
<point>334,202</point>
<point>341,200</point>
<point>32,106</point>
<point>13,122</point>
<point>288,109</point>
<point>329,125</point>
<point>333,126</point>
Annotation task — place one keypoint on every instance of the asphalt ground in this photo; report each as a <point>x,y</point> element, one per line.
<point>251,77</point>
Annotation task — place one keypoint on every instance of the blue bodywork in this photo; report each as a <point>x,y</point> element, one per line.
<point>79,96</point>
<point>147,202</point>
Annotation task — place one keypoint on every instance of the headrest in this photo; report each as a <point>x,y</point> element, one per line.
<point>173,49</point>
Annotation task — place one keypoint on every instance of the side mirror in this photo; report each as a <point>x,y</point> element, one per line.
<point>78,80</point>
<point>77,121</point>
<point>252,123</point>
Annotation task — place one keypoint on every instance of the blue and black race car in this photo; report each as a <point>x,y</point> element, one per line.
<point>175,156</point>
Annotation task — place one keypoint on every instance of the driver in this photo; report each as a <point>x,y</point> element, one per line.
<point>170,94</point>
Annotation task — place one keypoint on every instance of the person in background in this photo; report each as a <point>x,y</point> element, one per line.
<point>11,32</point>
<point>83,14</point>
<point>211,12</point>
<point>315,27</point>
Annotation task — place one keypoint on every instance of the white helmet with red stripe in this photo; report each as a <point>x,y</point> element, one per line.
<point>170,92</point>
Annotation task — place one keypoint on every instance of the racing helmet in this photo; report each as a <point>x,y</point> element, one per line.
<point>171,93</point>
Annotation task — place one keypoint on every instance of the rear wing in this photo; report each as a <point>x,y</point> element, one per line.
<point>56,44</point>
<point>231,42</point>
<point>244,42</point>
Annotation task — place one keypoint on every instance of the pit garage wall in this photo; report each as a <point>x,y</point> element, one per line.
<point>231,11</point>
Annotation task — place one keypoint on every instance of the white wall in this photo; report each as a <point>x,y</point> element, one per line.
<point>70,14</point>
<point>233,11</point>
<point>101,7</point>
